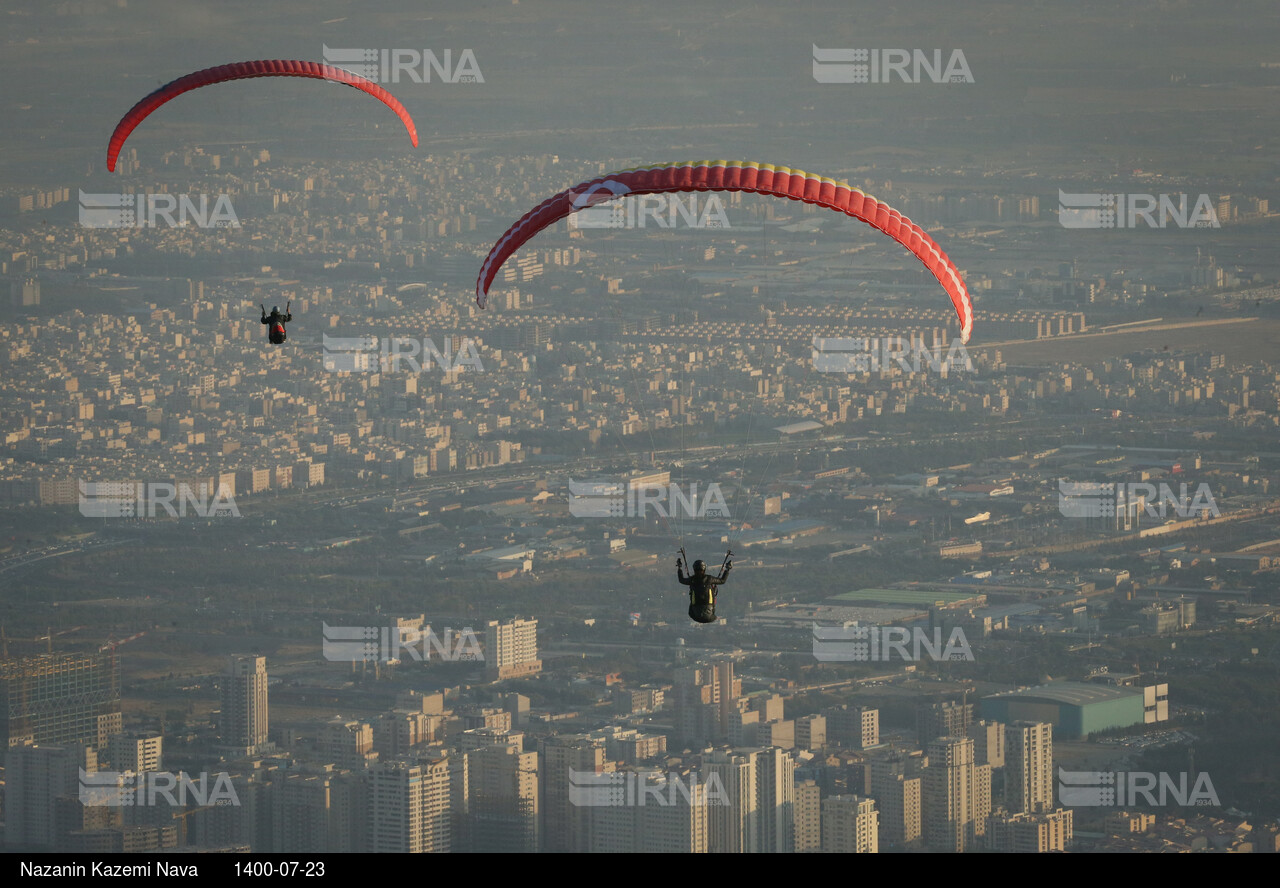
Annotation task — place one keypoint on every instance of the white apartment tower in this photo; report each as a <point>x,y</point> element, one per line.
<point>242,724</point>
<point>504,799</point>
<point>409,807</point>
<point>957,795</point>
<point>733,828</point>
<point>898,796</point>
<point>671,820</point>
<point>808,822</point>
<point>511,649</point>
<point>1028,767</point>
<point>566,827</point>
<point>775,801</point>
<point>850,825</point>
<point>136,751</point>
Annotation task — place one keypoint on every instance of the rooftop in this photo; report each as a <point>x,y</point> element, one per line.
<point>1073,693</point>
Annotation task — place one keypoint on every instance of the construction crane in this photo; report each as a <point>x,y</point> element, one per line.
<point>48,638</point>
<point>112,644</point>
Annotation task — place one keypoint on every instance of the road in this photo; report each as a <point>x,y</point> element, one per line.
<point>26,559</point>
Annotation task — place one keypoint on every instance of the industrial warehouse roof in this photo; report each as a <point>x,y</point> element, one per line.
<point>1073,693</point>
<point>795,428</point>
<point>917,597</point>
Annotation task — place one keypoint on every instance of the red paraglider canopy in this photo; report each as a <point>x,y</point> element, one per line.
<point>735,175</point>
<point>244,71</point>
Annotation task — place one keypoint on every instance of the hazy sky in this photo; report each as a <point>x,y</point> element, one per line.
<point>709,78</point>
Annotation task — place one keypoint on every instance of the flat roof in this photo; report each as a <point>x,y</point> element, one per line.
<point>1073,693</point>
<point>794,428</point>
<point>908,596</point>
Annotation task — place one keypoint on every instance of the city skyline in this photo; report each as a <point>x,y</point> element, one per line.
<point>402,580</point>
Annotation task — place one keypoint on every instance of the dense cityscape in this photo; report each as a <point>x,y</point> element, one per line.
<point>404,583</point>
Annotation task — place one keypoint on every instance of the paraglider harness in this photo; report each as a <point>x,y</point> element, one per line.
<point>704,611</point>
<point>276,334</point>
